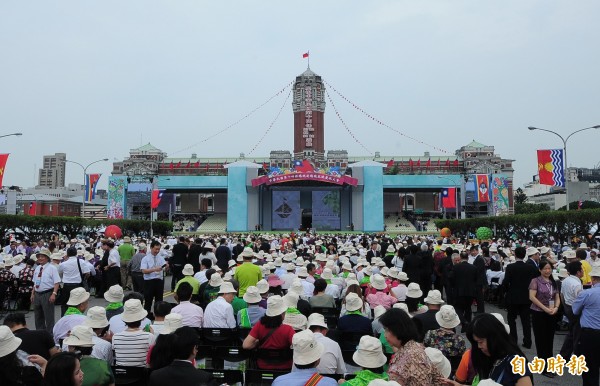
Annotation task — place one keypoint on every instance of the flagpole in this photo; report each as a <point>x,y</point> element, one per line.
<point>308,58</point>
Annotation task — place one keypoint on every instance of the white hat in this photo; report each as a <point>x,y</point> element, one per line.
<point>385,271</point>
<point>8,341</point>
<point>402,276</point>
<point>263,286</point>
<point>291,300</point>
<point>114,294</point>
<point>532,251</point>
<point>228,276</point>
<point>439,361</point>
<point>172,322</point>
<point>231,263</point>
<point>347,266</point>
<point>302,272</point>
<point>447,317</point>
<point>563,273</point>
<point>275,306</point>
<point>77,296</point>
<point>44,252</point>
<point>369,353</point>
<point>570,254</point>
<point>327,274</point>
<point>434,297</point>
<point>56,256</point>
<point>501,319</point>
<point>299,261</point>
<point>378,282</point>
<point>378,311</point>
<point>306,348</point>
<point>488,382</point>
<point>381,382</point>
<point>247,252</point>
<point>414,291</point>
<point>215,280</point>
<point>296,287</point>
<point>227,288</point>
<point>252,295</point>
<point>315,319</point>
<point>353,302</point>
<point>81,336</point>
<point>133,311</point>
<point>595,271</point>
<point>278,262</point>
<point>188,270</point>
<point>96,317</point>
<point>544,250</point>
<point>403,307</point>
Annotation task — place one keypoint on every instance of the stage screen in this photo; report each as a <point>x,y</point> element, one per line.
<point>326,210</point>
<point>286,209</point>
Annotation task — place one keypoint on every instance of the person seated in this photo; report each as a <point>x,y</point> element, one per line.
<point>293,316</point>
<point>441,363</point>
<point>116,323</point>
<point>160,353</point>
<point>271,333</point>
<point>380,297</point>
<point>320,298</point>
<point>114,297</point>
<point>181,371</point>
<point>16,368</point>
<point>161,310</point>
<point>307,354</point>
<point>219,312</point>
<point>353,287</point>
<point>375,325</point>
<point>96,320</point>
<point>191,313</point>
<point>370,357</point>
<point>248,317</point>
<point>132,344</point>
<point>34,342</point>
<point>332,361</point>
<point>399,291</point>
<point>96,371</point>
<point>353,322</point>
<point>74,316</point>
<point>427,321</point>
<point>445,338</point>
<point>413,298</point>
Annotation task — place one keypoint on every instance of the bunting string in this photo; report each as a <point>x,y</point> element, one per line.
<point>272,122</point>
<point>382,123</point>
<point>344,123</point>
<point>234,123</point>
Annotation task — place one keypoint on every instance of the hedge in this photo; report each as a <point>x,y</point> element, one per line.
<point>35,227</point>
<point>562,225</point>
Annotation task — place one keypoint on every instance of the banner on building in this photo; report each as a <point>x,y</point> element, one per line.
<point>482,187</point>
<point>326,210</point>
<point>157,195</point>
<point>303,170</point>
<point>500,194</point>
<point>91,180</point>
<point>3,159</point>
<point>286,209</point>
<point>551,167</point>
<point>116,207</point>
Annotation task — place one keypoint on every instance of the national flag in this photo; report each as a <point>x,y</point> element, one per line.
<point>438,164</point>
<point>447,162</point>
<point>482,187</point>
<point>171,166</point>
<point>207,166</point>
<point>449,197</point>
<point>390,163</point>
<point>32,208</point>
<point>419,163</point>
<point>456,163</point>
<point>189,165</point>
<point>579,204</point>
<point>305,55</point>
<point>303,166</point>
<point>197,164</point>
<point>91,180</point>
<point>551,168</point>
<point>157,195</point>
<point>410,163</point>
<point>265,165</point>
<point>428,164</point>
<point>178,165</point>
<point>3,159</point>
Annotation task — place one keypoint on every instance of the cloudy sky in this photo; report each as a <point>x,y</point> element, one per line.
<point>95,79</point>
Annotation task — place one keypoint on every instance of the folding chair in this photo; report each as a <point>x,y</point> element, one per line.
<point>221,336</point>
<point>275,357</point>
<point>262,377</point>
<point>130,376</point>
<point>229,377</point>
<point>331,315</point>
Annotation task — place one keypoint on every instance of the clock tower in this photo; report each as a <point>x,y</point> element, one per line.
<point>309,109</point>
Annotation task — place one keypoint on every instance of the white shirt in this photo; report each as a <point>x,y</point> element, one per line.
<point>400,292</point>
<point>570,288</point>
<point>65,325</point>
<point>494,274</point>
<point>333,290</point>
<point>102,349</point>
<point>150,261</point>
<point>70,271</point>
<point>118,325</point>
<point>287,279</point>
<point>192,315</point>
<point>309,289</point>
<point>201,276</point>
<point>49,277</point>
<point>114,258</point>
<point>157,327</point>
<point>90,267</point>
<point>332,361</point>
<point>219,314</point>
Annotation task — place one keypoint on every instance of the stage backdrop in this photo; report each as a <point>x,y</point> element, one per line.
<point>326,210</point>
<point>286,209</point>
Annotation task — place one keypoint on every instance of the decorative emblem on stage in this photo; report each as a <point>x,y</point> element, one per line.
<point>304,170</point>
<point>284,210</point>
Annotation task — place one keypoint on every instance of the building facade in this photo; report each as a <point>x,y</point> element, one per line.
<point>52,173</point>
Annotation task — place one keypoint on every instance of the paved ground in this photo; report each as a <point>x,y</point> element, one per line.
<point>565,380</point>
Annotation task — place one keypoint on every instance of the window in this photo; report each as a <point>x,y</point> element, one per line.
<point>50,208</point>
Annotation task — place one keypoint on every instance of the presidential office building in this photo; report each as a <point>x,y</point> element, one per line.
<point>309,187</point>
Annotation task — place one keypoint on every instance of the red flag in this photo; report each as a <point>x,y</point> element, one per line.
<point>449,197</point>
<point>456,163</point>
<point>189,164</point>
<point>447,162</point>
<point>305,55</point>
<point>438,165</point>
<point>178,164</point>
<point>3,159</point>
<point>551,167</point>
<point>156,197</point>
<point>171,166</point>
<point>265,165</point>
<point>197,164</point>
<point>207,165</point>
<point>419,163</point>
<point>390,163</point>
<point>32,208</point>
<point>428,164</point>
<point>410,163</point>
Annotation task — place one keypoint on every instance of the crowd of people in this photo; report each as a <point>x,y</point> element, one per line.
<point>349,309</point>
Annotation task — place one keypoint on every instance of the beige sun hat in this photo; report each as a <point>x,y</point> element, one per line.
<point>501,320</point>
<point>77,296</point>
<point>247,252</point>
<point>263,286</point>
<point>8,341</point>
<point>56,256</point>
<point>114,294</point>
<point>275,306</point>
<point>296,287</point>
<point>173,321</point>
<point>302,272</point>
<point>487,382</point>
<point>316,319</point>
<point>434,297</point>
<point>532,251</point>
<point>306,348</point>
<point>327,274</point>
<point>382,382</point>
<point>378,311</point>
<point>595,271</point>
<point>414,291</point>
<point>369,353</point>
<point>439,361</point>
<point>215,280</point>
<point>188,270</point>
<point>563,273</point>
<point>44,252</point>
<point>81,336</point>
<point>403,307</point>
<point>227,288</point>
<point>353,302</point>
<point>291,300</point>
<point>347,266</point>
<point>378,282</point>
<point>133,311</point>
<point>447,317</point>
<point>252,295</point>
<point>96,317</point>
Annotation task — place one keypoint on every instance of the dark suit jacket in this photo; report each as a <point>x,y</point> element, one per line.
<point>517,278</point>
<point>464,279</point>
<point>412,267</point>
<point>180,373</point>
<point>535,266</point>
<point>194,256</point>
<point>427,321</point>
<point>180,253</point>
<point>371,254</point>
<point>479,263</point>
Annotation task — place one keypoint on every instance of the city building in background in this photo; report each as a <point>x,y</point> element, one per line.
<point>52,173</point>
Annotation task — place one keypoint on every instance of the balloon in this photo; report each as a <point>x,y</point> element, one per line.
<point>113,231</point>
<point>484,233</point>
<point>445,232</point>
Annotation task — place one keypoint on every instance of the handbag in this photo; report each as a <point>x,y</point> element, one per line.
<point>84,282</point>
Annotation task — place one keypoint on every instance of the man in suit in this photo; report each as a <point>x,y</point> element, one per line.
<point>533,259</point>
<point>427,321</point>
<point>479,263</point>
<point>373,252</point>
<point>179,259</point>
<point>181,371</point>
<point>516,282</point>
<point>412,266</point>
<point>464,282</point>
<point>223,254</point>
<point>194,254</point>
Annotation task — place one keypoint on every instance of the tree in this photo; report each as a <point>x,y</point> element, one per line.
<point>528,208</point>
<point>520,197</point>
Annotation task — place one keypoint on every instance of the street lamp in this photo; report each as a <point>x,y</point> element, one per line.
<point>455,192</point>
<point>564,141</point>
<point>84,174</point>
<point>9,135</point>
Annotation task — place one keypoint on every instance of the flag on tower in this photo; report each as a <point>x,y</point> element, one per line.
<point>390,163</point>
<point>551,168</point>
<point>305,55</point>
<point>3,159</point>
<point>449,197</point>
<point>32,208</point>
<point>156,197</point>
<point>428,164</point>
<point>91,180</point>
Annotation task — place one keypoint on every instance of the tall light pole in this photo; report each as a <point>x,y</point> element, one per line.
<point>455,192</point>
<point>9,135</point>
<point>85,168</point>
<point>564,141</point>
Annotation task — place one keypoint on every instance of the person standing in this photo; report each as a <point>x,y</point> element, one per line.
<point>178,260</point>
<point>569,290</point>
<point>135,269</point>
<point>126,252</point>
<point>74,273</point>
<point>223,254</point>
<point>46,282</point>
<point>247,274</point>
<point>587,306</point>
<point>517,278</point>
<point>113,267</point>
<point>465,279</point>
<point>481,284</point>
<point>152,268</point>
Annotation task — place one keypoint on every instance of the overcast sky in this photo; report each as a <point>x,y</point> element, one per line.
<point>95,79</point>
